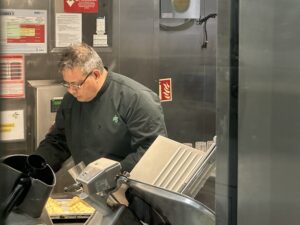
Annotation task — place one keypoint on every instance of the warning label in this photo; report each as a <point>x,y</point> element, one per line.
<point>165,90</point>
<point>90,6</point>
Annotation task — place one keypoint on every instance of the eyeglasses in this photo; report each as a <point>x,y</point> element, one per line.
<point>76,86</point>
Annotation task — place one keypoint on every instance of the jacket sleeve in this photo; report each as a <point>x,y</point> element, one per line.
<point>145,121</point>
<point>54,147</point>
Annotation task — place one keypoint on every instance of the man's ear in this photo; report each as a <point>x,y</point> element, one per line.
<point>97,74</point>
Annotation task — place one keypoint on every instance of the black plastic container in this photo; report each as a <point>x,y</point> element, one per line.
<point>14,169</point>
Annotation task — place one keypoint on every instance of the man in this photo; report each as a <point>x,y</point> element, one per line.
<point>103,114</point>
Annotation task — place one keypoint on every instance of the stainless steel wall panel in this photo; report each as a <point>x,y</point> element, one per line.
<point>136,38</point>
<point>269,111</point>
<point>192,70</point>
<point>223,187</point>
<point>147,54</point>
<point>268,156</point>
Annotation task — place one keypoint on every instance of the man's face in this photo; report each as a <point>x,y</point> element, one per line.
<point>84,90</point>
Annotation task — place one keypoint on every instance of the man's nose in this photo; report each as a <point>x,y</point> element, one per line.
<point>72,90</point>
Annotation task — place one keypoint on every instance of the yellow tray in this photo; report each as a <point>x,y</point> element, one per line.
<point>58,208</point>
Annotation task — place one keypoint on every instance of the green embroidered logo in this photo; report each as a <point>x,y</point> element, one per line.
<point>115,119</point>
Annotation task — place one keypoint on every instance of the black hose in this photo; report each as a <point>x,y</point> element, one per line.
<point>15,198</point>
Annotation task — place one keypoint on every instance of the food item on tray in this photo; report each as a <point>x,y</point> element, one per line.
<point>68,206</point>
<point>54,207</point>
<point>77,205</point>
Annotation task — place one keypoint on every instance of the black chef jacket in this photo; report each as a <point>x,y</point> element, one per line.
<point>120,123</point>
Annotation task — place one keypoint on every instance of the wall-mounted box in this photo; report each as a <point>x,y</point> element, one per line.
<point>44,98</point>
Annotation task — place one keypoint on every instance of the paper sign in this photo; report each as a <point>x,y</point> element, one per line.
<point>12,82</point>
<point>12,125</point>
<point>165,89</point>
<point>68,29</point>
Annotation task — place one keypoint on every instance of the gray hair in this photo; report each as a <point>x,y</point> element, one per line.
<point>82,56</point>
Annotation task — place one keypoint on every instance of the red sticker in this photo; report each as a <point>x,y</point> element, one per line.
<point>165,89</point>
<point>29,33</point>
<point>90,6</point>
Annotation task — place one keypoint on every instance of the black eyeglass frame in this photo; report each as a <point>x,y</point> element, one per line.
<point>76,86</point>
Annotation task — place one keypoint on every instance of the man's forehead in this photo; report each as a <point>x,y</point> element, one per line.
<point>72,72</point>
<point>72,75</point>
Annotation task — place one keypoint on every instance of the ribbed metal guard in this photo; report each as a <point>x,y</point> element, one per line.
<point>174,166</point>
<point>180,167</point>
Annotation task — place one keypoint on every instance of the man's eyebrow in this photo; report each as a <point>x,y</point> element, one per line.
<point>73,82</point>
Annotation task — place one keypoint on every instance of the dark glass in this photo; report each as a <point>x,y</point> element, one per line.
<point>77,86</point>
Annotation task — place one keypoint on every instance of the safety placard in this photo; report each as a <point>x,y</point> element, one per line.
<point>12,81</point>
<point>23,31</point>
<point>165,90</point>
<point>90,6</point>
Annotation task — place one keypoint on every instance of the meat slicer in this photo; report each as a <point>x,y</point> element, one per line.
<point>151,193</point>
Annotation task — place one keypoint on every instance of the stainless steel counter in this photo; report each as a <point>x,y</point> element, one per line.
<point>19,218</point>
